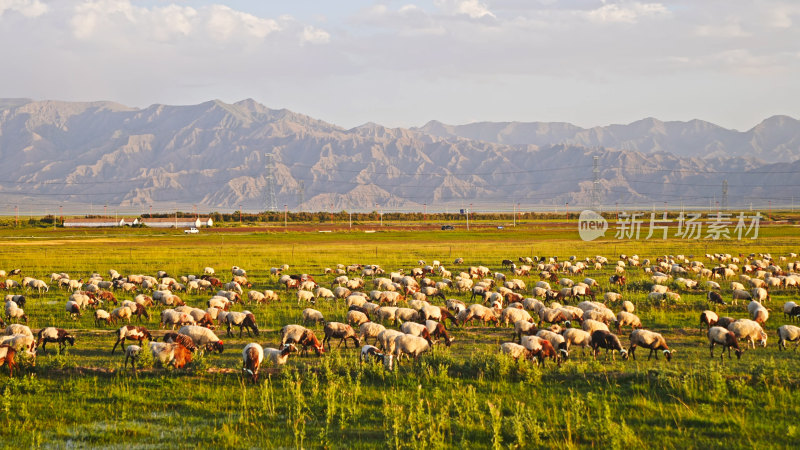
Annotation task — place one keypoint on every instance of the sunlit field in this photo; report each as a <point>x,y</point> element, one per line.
<point>465,395</point>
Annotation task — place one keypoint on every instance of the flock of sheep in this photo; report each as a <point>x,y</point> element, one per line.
<point>416,301</point>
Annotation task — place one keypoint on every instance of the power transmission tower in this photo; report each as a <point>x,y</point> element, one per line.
<point>271,202</point>
<point>724,194</point>
<point>595,184</point>
<point>301,194</point>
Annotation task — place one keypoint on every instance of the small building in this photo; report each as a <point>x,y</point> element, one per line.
<point>177,222</point>
<point>99,222</point>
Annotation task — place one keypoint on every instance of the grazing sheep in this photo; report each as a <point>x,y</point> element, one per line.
<point>721,336</point>
<point>58,335</point>
<point>577,337</point>
<point>13,311</point>
<point>356,318</point>
<point>512,315</point>
<point>243,320</point>
<point>386,340</point>
<point>524,328</point>
<point>788,309</point>
<point>132,353</point>
<point>540,349</point>
<point>168,317</point>
<point>372,353</point>
<point>370,329</point>
<point>7,357</point>
<point>724,322</point>
<point>202,337</point>
<point>133,333</point>
<point>279,357</point>
<point>649,339</point>
<point>515,351</point>
<point>749,330</point>
<point>608,341</point>
<point>411,346</point>
<point>627,319</point>
<point>312,315</point>
<point>297,334</point>
<point>406,314</point>
<point>557,341</point>
<point>20,343</point>
<point>758,312</point>
<point>789,333</point>
<point>416,329</point>
<point>480,312</point>
<point>709,318</point>
<point>552,315</point>
<point>252,357</point>
<point>385,313</point>
<point>341,331</point>
<point>73,310</point>
<point>171,353</point>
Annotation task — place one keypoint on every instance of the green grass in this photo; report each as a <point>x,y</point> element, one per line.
<point>467,395</point>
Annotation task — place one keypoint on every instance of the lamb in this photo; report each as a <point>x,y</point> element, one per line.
<point>133,333</point>
<point>725,338</point>
<point>279,357</point>
<point>789,333</point>
<point>612,297</point>
<point>740,295</point>
<point>370,329</point>
<point>297,334</point>
<point>627,319</point>
<point>649,339</point>
<point>760,294</point>
<point>480,312</point>
<point>551,315</point>
<point>171,353</point>
<point>758,312</point>
<point>371,353</point>
<point>73,309</point>
<point>20,300</point>
<point>514,351</point>
<point>608,341</point>
<point>132,353</point>
<point>58,335</point>
<point>385,313</point>
<point>202,337</point>
<point>305,296</point>
<point>244,319</point>
<point>341,331</point>
<point>312,315</point>
<point>409,345</point>
<point>749,330</point>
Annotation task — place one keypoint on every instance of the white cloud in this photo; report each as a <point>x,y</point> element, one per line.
<point>28,8</point>
<point>627,12</point>
<point>315,35</point>
<point>472,8</point>
<point>732,28</point>
<point>222,22</point>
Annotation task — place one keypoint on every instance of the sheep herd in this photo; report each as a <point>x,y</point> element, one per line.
<point>549,319</point>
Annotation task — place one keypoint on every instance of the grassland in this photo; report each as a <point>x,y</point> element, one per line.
<point>463,396</point>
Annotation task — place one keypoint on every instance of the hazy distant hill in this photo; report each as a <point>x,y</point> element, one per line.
<point>212,154</point>
<point>776,139</point>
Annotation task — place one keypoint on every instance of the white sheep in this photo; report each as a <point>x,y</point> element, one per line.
<point>749,330</point>
<point>312,315</point>
<point>789,333</point>
<point>386,339</point>
<point>370,329</point>
<point>625,318</point>
<point>279,357</point>
<point>577,337</point>
<point>13,311</point>
<point>132,353</point>
<point>758,312</point>
<point>724,337</point>
<point>305,296</point>
<point>514,351</point>
<point>591,325</point>
<point>409,345</point>
<point>650,340</point>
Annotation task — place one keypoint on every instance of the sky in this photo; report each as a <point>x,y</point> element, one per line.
<point>403,63</point>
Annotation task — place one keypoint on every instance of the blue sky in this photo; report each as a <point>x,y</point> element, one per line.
<point>402,63</point>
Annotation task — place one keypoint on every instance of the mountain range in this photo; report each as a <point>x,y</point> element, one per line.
<point>214,155</point>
